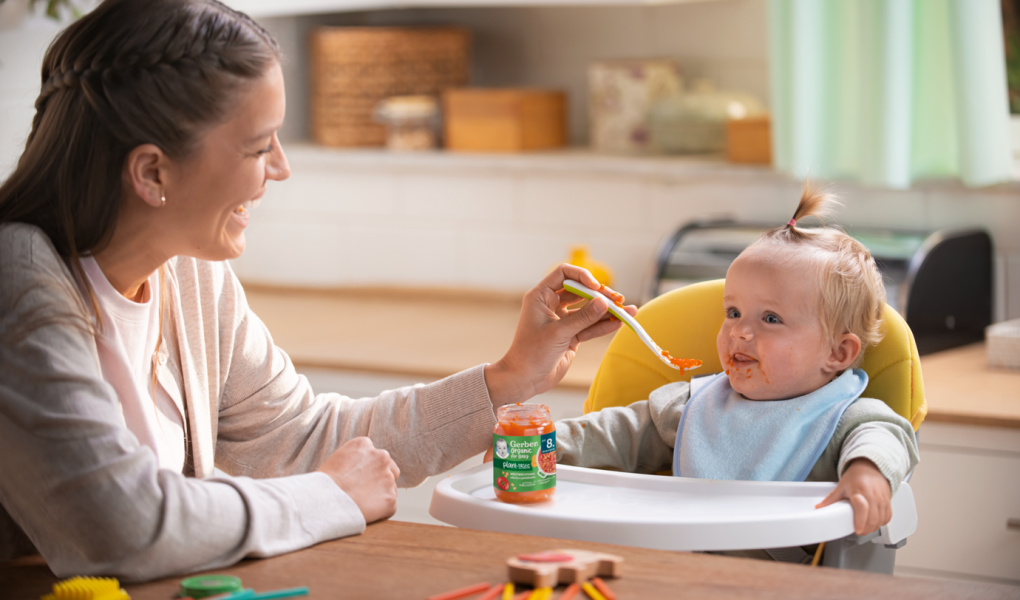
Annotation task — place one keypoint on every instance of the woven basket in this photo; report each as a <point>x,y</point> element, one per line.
<point>353,68</point>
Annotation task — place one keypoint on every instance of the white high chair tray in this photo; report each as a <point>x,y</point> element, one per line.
<point>666,513</point>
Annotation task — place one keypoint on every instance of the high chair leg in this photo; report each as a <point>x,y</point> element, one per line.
<point>860,554</point>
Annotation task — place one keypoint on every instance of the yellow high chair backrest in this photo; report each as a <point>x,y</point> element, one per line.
<point>686,322</point>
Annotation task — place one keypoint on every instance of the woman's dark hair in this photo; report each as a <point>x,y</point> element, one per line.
<point>130,72</point>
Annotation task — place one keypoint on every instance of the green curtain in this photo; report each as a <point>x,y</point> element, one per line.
<point>887,92</point>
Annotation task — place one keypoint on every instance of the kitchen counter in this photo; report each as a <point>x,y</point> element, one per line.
<point>435,333</point>
<point>961,388</point>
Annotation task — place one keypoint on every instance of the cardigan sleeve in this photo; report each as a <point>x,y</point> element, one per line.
<point>271,424</point>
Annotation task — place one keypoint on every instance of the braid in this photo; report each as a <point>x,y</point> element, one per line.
<point>118,74</point>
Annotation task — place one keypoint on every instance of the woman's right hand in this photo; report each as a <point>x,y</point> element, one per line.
<point>368,475</point>
<point>548,334</point>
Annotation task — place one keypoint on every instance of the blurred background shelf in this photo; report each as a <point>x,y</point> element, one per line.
<point>569,160</point>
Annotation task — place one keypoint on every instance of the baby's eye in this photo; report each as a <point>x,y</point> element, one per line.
<point>732,313</point>
<point>772,319</point>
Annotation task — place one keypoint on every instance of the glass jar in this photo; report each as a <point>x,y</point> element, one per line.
<point>524,454</point>
<point>695,122</point>
<point>410,122</point>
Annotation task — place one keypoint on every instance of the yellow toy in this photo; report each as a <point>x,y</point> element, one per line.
<point>87,588</point>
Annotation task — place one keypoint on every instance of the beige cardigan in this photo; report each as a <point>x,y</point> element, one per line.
<point>77,485</point>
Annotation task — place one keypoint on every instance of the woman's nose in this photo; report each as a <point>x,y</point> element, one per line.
<point>277,167</point>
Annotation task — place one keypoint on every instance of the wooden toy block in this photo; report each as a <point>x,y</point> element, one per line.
<point>552,567</point>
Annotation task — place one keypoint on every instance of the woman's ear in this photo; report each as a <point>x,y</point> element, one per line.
<point>844,353</point>
<point>145,172</point>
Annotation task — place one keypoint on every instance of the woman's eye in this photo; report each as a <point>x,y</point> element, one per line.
<point>266,150</point>
<point>773,319</point>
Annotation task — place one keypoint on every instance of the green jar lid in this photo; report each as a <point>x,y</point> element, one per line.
<point>204,586</point>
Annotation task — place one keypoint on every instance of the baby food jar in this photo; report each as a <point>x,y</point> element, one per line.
<point>524,454</point>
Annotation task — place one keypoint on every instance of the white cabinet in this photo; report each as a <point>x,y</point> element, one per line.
<point>967,489</point>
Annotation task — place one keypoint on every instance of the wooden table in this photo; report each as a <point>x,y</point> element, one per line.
<point>408,561</point>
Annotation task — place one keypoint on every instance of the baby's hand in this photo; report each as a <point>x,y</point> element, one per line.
<point>868,492</point>
<point>488,456</point>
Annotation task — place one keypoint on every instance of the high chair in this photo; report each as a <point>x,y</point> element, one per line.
<point>686,321</point>
<point>688,514</point>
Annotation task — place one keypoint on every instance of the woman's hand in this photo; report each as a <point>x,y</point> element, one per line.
<point>868,492</point>
<point>547,337</point>
<point>368,475</point>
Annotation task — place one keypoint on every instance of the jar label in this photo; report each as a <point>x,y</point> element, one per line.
<point>524,463</point>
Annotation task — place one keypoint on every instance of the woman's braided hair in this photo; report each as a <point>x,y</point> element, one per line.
<point>128,73</point>
<point>852,291</point>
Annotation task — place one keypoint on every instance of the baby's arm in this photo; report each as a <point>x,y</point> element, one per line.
<point>877,452</point>
<point>637,438</point>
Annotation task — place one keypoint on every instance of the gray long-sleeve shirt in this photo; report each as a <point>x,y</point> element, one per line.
<point>639,438</point>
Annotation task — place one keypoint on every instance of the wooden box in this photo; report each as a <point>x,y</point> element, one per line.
<point>504,120</point>
<point>749,141</point>
<point>354,68</point>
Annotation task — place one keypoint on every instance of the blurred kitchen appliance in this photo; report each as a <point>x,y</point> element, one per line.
<point>504,120</point>
<point>940,281</point>
<point>352,69</point>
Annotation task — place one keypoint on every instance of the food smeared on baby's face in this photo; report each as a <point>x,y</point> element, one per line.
<point>772,344</point>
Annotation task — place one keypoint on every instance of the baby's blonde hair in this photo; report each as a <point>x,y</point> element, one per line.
<point>852,293</point>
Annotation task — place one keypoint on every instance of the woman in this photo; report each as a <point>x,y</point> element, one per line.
<point>132,370</point>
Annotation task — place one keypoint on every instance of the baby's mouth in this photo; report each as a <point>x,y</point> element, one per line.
<point>740,358</point>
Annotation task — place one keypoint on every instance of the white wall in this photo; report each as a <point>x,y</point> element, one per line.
<point>23,42</point>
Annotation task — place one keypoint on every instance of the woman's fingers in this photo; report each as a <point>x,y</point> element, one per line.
<point>554,280</point>
<point>368,475</point>
<point>603,327</point>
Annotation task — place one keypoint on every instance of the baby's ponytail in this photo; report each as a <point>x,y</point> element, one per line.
<point>853,294</point>
<point>815,201</point>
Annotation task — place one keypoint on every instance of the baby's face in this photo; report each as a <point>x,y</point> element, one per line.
<point>772,344</point>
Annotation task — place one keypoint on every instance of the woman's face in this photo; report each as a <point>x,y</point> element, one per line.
<point>211,193</point>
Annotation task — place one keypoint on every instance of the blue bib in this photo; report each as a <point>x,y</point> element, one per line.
<point>723,435</point>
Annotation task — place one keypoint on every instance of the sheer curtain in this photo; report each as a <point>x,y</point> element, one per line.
<point>890,91</point>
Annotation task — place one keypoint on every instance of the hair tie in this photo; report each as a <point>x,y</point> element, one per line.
<point>792,223</point>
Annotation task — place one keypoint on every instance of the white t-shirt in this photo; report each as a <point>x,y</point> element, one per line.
<point>127,347</point>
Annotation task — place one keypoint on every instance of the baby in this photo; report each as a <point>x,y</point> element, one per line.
<point>801,305</point>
